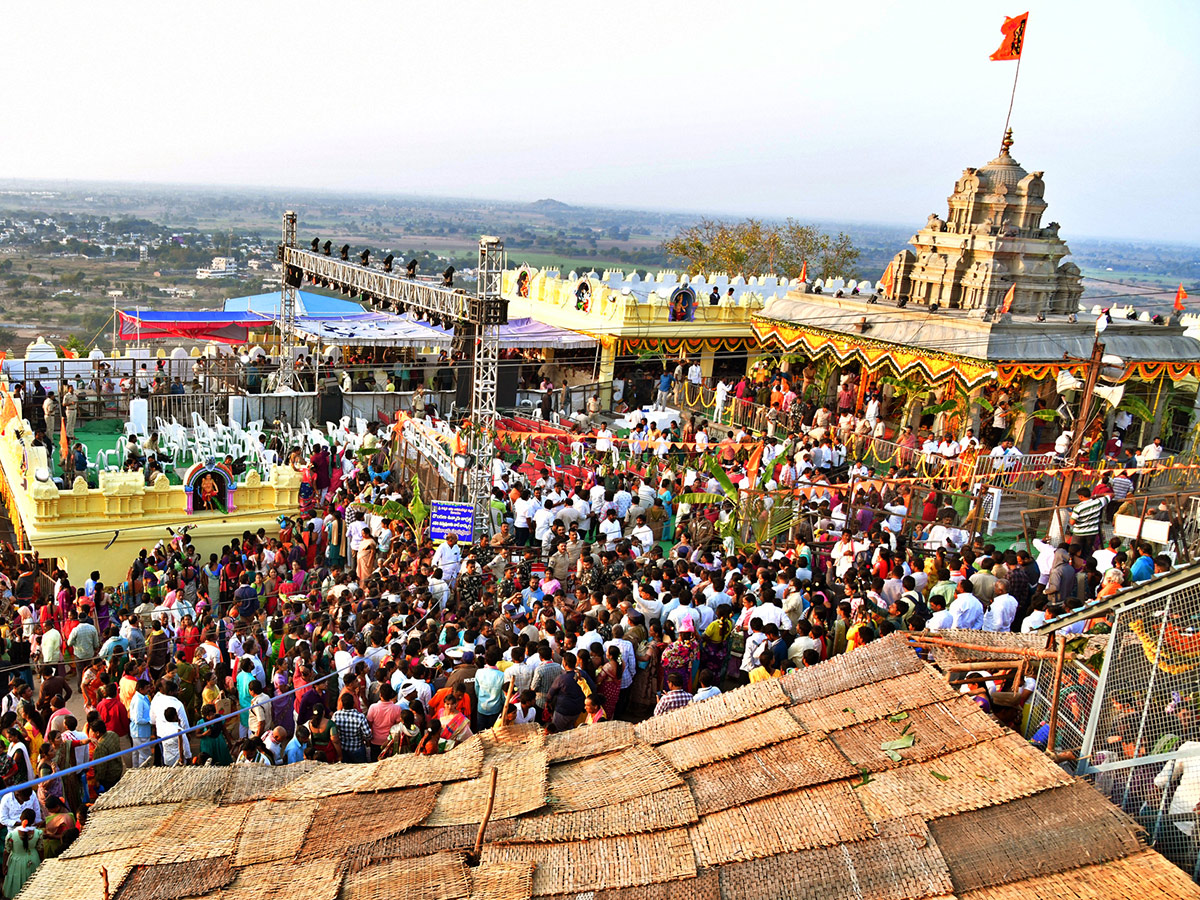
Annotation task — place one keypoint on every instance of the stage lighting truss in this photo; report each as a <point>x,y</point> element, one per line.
<point>475,319</point>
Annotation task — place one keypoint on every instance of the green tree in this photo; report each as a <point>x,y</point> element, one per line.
<point>753,246</point>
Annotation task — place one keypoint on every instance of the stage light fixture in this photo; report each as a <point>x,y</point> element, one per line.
<point>934,306</point>
<point>1072,319</point>
<point>1130,313</point>
<point>874,298</point>
<point>328,246</point>
<point>353,292</point>
<point>365,257</point>
<point>345,251</point>
<point>411,268</point>
<point>902,302</point>
<point>316,245</point>
<point>387,262</point>
<point>448,277</point>
<point>1041,317</point>
<point>839,293</point>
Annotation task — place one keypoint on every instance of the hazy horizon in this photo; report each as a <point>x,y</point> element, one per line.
<point>858,115</point>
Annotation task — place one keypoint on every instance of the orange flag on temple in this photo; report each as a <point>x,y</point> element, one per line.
<point>64,446</point>
<point>888,280</point>
<point>1008,299</point>
<point>804,271</point>
<point>1014,38</point>
<point>69,354</point>
<point>1180,296</point>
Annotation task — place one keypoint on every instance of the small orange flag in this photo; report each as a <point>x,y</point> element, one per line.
<point>752,465</point>
<point>64,445</point>
<point>888,280</point>
<point>804,271</point>
<point>69,354</point>
<point>1014,38</point>
<point>1180,296</point>
<point>1008,299</point>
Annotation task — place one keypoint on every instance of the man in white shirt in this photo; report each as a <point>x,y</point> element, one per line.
<point>1104,558</point>
<point>448,557</point>
<point>642,532</point>
<point>948,447</point>
<point>941,618</point>
<point>610,529</point>
<point>604,439</point>
<point>966,608</point>
<point>842,554</point>
<point>722,392</point>
<point>161,703</point>
<point>1153,451</point>
<point>701,438</point>
<point>693,373</point>
<point>1001,611</point>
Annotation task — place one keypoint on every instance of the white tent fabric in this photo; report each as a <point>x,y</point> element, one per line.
<point>371,330</point>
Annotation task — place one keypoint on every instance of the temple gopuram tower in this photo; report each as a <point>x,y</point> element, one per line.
<point>992,238</point>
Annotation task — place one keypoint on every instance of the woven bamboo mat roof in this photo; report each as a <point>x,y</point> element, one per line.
<point>520,788</point>
<point>659,811</point>
<point>890,657</point>
<point>786,766</point>
<point>602,863</point>
<point>936,730</point>
<point>778,790</point>
<point>441,876</point>
<point>720,710</point>
<point>1063,828</point>
<point>139,787</point>
<point>591,741</point>
<point>734,739</point>
<point>611,778</point>
<point>899,863</point>
<point>193,878</point>
<point>1144,876</point>
<point>874,701</point>
<point>503,881</point>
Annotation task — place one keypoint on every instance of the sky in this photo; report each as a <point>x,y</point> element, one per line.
<point>856,111</point>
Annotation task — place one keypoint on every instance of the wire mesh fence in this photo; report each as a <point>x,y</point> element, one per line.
<point>1142,740</point>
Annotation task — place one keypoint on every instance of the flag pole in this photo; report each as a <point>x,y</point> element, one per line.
<point>1007,119</point>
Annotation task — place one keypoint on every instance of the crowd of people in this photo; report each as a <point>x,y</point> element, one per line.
<point>349,636</point>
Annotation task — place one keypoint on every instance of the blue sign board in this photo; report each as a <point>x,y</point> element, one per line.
<point>452,518</point>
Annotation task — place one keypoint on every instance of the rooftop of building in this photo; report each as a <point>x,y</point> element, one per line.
<point>780,789</point>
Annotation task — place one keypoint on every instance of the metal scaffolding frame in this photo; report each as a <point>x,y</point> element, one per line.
<point>287,313</point>
<point>476,320</point>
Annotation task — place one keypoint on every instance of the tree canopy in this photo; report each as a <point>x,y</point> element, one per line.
<point>753,247</point>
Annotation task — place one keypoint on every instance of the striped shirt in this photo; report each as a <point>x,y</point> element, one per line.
<point>1085,518</point>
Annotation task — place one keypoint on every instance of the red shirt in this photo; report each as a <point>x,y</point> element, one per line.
<point>114,716</point>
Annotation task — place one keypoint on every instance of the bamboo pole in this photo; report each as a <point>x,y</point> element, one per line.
<point>1059,660</point>
<point>983,648</point>
<point>487,815</point>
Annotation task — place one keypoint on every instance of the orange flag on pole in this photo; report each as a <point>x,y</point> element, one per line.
<point>804,271</point>
<point>64,445</point>
<point>1180,296</point>
<point>752,465</point>
<point>1014,38</point>
<point>1008,299</point>
<point>888,280</point>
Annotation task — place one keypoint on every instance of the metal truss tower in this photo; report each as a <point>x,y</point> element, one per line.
<point>485,366</point>
<point>286,379</point>
<point>476,320</point>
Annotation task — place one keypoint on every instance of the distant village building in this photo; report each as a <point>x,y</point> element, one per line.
<point>221,267</point>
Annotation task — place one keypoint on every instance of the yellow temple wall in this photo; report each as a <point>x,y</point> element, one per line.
<point>103,528</point>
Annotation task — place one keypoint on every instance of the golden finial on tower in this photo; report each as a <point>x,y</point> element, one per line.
<point>1006,143</point>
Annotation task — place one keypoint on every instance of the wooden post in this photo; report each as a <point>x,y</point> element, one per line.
<point>104,870</point>
<point>1059,660</point>
<point>487,815</point>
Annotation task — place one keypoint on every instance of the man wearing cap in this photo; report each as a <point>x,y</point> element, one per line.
<point>504,626</point>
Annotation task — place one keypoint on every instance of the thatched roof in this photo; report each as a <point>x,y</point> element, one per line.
<point>776,790</point>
